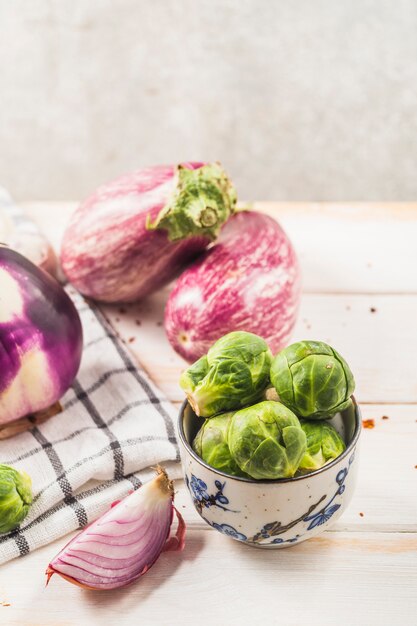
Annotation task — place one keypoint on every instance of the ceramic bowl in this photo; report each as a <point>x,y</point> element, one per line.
<point>272,513</point>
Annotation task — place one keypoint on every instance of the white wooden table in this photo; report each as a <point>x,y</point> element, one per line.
<point>360,294</point>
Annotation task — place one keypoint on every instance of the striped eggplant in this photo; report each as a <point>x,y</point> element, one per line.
<point>40,338</point>
<point>248,280</point>
<point>134,234</point>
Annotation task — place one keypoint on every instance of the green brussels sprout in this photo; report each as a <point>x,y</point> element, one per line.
<point>15,497</point>
<point>323,445</point>
<point>312,379</point>
<point>233,374</point>
<point>210,443</point>
<point>266,440</point>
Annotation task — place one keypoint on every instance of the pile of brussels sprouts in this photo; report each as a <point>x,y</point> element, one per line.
<point>245,434</point>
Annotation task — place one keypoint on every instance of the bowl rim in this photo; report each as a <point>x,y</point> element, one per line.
<point>264,481</point>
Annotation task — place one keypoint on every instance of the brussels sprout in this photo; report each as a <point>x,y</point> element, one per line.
<point>266,440</point>
<point>233,374</point>
<point>312,379</point>
<point>15,497</point>
<point>323,445</point>
<point>211,445</point>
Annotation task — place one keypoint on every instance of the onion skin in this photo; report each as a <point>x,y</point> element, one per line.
<point>113,249</point>
<point>40,338</point>
<point>249,280</point>
<point>125,542</point>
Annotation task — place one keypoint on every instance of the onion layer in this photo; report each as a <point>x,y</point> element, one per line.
<point>125,542</point>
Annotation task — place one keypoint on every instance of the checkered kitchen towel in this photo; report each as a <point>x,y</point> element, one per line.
<point>115,426</point>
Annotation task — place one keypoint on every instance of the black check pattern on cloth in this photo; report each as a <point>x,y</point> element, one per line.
<point>114,428</point>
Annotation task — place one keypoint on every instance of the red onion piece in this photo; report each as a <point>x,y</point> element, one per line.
<point>125,542</point>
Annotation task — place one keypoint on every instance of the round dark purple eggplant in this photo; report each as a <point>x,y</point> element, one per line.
<point>40,338</point>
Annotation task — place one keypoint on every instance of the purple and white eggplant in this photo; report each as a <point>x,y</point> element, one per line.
<point>40,338</point>
<point>134,234</point>
<point>249,280</point>
<point>21,234</point>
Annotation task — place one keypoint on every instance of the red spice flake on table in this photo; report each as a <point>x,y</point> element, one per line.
<point>138,322</point>
<point>361,514</point>
<point>132,339</point>
<point>372,309</point>
<point>368,423</point>
<point>385,417</point>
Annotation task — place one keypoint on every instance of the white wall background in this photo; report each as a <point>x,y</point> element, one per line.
<point>301,99</point>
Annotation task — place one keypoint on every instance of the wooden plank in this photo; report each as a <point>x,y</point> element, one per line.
<point>387,480</point>
<point>343,248</point>
<point>378,344</point>
<point>337,577</point>
<point>352,248</point>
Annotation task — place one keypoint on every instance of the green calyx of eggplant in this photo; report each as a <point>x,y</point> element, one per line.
<point>203,201</point>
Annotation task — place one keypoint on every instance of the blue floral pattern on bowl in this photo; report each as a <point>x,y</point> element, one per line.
<point>330,509</point>
<point>316,519</point>
<point>226,529</point>
<point>203,499</point>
